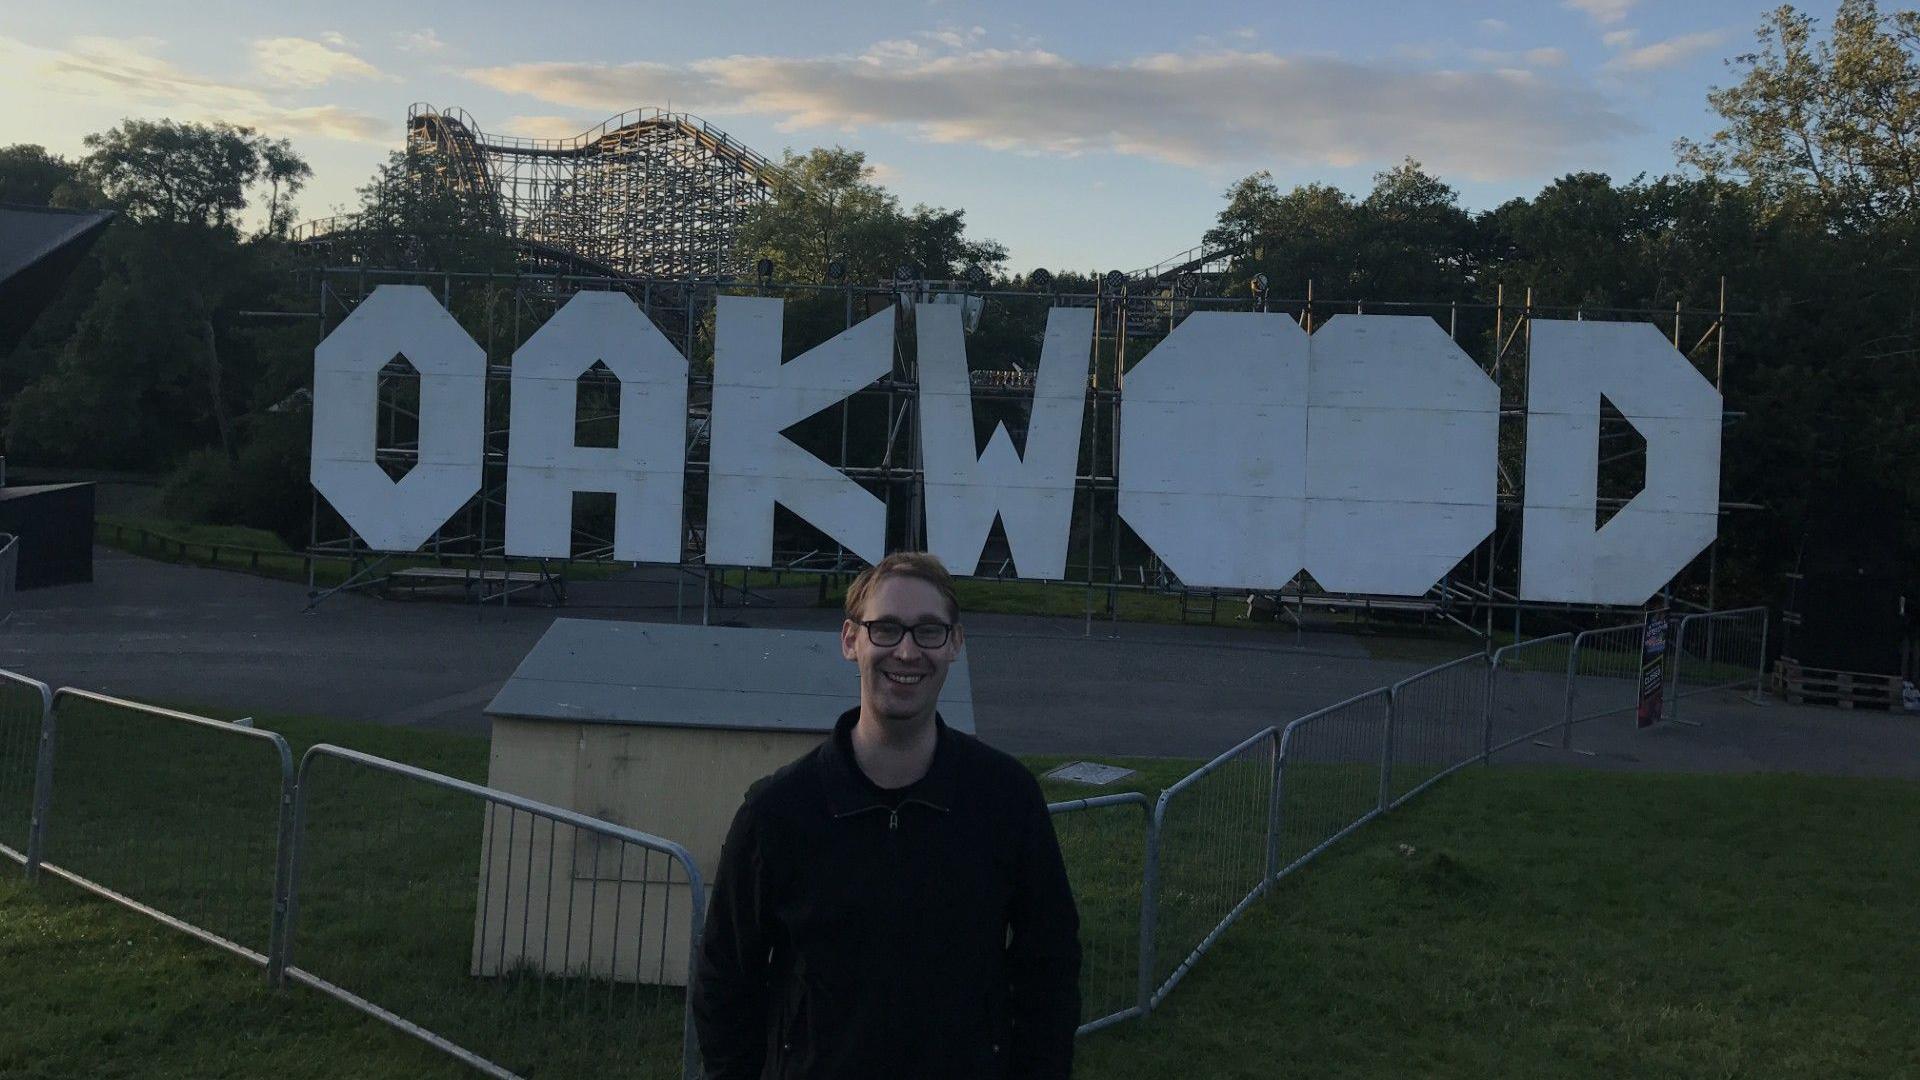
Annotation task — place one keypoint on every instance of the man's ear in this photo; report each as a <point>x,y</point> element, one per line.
<point>849,635</point>
<point>958,639</point>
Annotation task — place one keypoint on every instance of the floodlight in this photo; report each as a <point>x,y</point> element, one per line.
<point>1259,284</point>
<point>836,269</point>
<point>1040,278</point>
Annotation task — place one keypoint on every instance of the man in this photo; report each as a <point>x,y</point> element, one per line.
<point>892,906</point>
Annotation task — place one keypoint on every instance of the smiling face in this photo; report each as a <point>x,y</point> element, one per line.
<point>900,684</point>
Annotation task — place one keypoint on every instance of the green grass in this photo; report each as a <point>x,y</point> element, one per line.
<point>1511,922</point>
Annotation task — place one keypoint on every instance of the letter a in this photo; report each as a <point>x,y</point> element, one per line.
<point>643,471</point>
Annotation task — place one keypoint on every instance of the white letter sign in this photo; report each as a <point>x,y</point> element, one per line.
<point>1213,449</point>
<point>645,468</point>
<point>1032,495</point>
<point>1659,531</point>
<point>398,320</point>
<point>755,398</point>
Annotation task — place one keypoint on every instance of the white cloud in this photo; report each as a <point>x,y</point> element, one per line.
<point>882,173</point>
<point>131,73</point>
<point>419,41</point>
<point>1545,57</point>
<point>1665,54</point>
<point>303,63</point>
<point>1604,12</point>
<point>1618,39</point>
<point>1494,26</point>
<point>1191,109</point>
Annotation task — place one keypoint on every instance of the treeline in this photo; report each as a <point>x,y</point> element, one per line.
<point>1806,200</point>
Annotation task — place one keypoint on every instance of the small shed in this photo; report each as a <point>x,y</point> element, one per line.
<point>661,728</point>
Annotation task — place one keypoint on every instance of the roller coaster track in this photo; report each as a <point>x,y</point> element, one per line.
<point>1203,259</point>
<point>647,192</point>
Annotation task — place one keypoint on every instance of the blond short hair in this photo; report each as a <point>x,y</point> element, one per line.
<point>913,564</point>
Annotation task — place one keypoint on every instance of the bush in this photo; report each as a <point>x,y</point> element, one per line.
<point>265,487</point>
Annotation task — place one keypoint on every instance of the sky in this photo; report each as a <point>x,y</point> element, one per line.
<point>1081,136</point>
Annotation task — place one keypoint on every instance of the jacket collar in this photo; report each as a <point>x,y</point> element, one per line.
<point>848,790</point>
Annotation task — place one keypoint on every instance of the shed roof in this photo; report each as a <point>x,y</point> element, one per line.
<point>661,674</point>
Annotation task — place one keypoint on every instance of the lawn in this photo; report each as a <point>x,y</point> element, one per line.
<point>1510,922</point>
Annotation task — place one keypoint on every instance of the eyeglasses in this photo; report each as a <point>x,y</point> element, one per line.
<point>887,633</point>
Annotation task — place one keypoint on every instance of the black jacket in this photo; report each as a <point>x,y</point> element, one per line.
<point>870,935</point>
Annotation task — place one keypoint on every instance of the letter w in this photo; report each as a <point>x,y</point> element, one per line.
<point>1032,496</point>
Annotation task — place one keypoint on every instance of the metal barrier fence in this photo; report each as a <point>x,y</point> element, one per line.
<point>1717,650</point>
<point>9,569</point>
<point>1330,775</point>
<point>1526,691</point>
<point>518,937</point>
<point>1603,676</point>
<point>26,745</point>
<point>1439,725</point>
<point>1209,859</point>
<point>190,829</point>
<point>1103,840</point>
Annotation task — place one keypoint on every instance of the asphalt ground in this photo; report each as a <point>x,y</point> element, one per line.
<point>193,637</point>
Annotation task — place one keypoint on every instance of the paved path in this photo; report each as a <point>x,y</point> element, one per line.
<point>191,636</point>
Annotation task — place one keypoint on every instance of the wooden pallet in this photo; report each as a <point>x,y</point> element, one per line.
<point>1846,689</point>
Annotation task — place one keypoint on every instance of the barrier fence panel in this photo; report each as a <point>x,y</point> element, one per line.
<point>1330,775</point>
<point>1603,676</point>
<point>519,937</point>
<point>1209,856</point>
<point>1104,841</point>
<point>1717,650</point>
<point>178,816</point>
<point>1526,691</point>
<point>9,570</point>
<point>1439,724</point>
<point>25,710</point>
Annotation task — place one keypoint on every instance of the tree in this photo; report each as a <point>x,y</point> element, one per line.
<point>827,207</point>
<point>1837,120</point>
<point>192,174</point>
<point>29,175</point>
<point>159,330</point>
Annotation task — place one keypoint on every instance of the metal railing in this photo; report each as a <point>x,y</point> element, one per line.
<point>1208,862</point>
<point>1331,775</point>
<point>1103,841</point>
<point>1439,725</point>
<point>515,936</point>
<point>1526,691</point>
<point>1603,676</point>
<point>520,937</point>
<point>1717,650</point>
<point>9,566</point>
<point>26,749</point>
<point>190,829</point>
